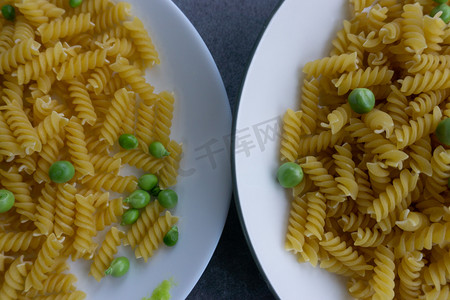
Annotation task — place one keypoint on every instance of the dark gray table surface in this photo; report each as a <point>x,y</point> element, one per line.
<point>230,29</point>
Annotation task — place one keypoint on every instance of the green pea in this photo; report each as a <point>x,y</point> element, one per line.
<point>118,267</point>
<point>168,198</point>
<point>8,12</point>
<point>130,216</point>
<point>61,171</point>
<point>75,3</point>
<point>138,199</point>
<point>443,132</point>
<point>289,174</point>
<point>6,200</point>
<point>171,237</point>
<point>440,1</point>
<point>361,100</point>
<point>445,9</point>
<point>155,191</point>
<point>128,141</point>
<point>147,182</point>
<point>157,150</point>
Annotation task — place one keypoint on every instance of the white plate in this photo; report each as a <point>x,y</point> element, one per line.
<point>202,122</point>
<point>299,31</point>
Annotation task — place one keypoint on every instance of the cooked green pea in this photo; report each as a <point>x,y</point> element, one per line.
<point>147,182</point>
<point>289,174</point>
<point>130,216</point>
<point>138,199</point>
<point>75,3</point>
<point>128,141</point>
<point>361,100</point>
<point>6,200</point>
<point>171,237</point>
<point>445,9</point>
<point>8,12</point>
<point>61,171</point>
<point>118,267</point>
<point>168,198</point>
<point>443,132</point>
<point>158,150</point>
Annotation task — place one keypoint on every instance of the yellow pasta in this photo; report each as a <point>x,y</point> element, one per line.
<point>382,176</point>
<point>73,82</point>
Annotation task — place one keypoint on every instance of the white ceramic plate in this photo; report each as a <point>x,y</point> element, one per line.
<point>202,122</point>
<point>299,31</point>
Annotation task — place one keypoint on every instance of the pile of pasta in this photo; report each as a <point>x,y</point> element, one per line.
<point>374,202</point>
<point>73,80</point>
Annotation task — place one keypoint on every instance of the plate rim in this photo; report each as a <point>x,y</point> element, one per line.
<point>237,201</point>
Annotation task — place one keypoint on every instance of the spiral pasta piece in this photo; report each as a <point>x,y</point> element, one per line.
<point>54,284</point>
<point>295,237</point>
<point>169,172</point>
<point>363,78</point>
<point>393,195</point>
<point>92,6</point>
<point>396,106</point>
<point>98,79</point>
<point>412,28</point>
<point>133,76</point>
<point>291,135</point>
<point>106,164</point>
<point>359,289</point>
<point>115,47</point>
<point>143,42</point>
<point>433,28</point>
<point>109,214</point>
<point>81,63</point>
<point>32,12</point>
<point>19,54</point>
<point>21,127</point>
<point>82,102</point>
<point>65,209</point>
<point>19,241</point>
<point>155,235</point>
<point>144,125</point>
<point>438,273</point>
<point>44,263</point>
<point>49,154</point>
<point>14,182</point>
<point>332,65</point>
<point>114,15</point>
<point>437,294</point>
<point>409,274</point>
<point>46,210</point>
<point>430,80</point>
<point>51,126</point>
<point>315,221</point>
<point>108,181</point>
<point>411,220</point>
<point>309,105</point>
<point>105,255</point>
<point>344,168</point>
<point>338,118</point>
<point>6,38</point>
<point>440,164</point>
<point>14,279</point>
<point>311,145</point>
<point>115,116</point>
<point>9,146</point>
<point>345,254</point>
<point>383,279</point>
<point>417,129</point>
<point>319,175</point>
<point>368,237</point>
<point>164,115</point>
<point>85,222</point>
<point>141,160</point>
<point>379,121</point>
<point>352,222</point>
<point>66,27</point>
<point>425,238</point>
<point>77,148</point>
